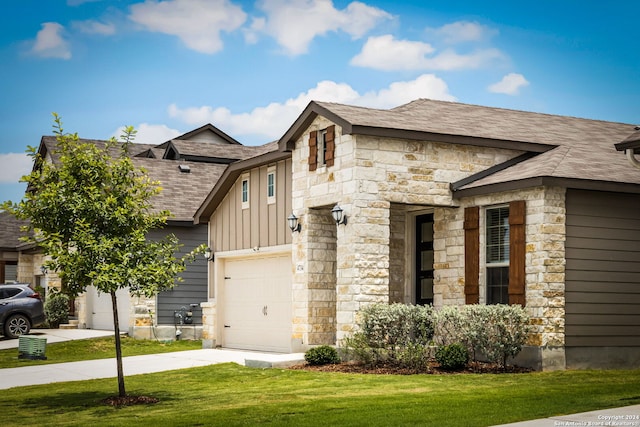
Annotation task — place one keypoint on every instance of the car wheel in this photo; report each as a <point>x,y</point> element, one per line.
<point>16,325</point>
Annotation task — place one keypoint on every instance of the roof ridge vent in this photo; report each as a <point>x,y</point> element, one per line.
<point>184,168</point>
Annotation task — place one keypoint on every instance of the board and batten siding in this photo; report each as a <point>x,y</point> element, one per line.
<point>193,288</point>
<point>261,224</point>
<point>603,269</point>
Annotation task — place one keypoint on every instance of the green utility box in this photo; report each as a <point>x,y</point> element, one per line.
<point>32,347</point>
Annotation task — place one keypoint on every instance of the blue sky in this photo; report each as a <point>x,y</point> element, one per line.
<point>249,68</point>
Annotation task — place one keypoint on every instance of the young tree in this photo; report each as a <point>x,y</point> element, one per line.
<point>90,211</point>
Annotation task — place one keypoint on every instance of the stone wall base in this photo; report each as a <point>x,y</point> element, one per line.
<point>166,332</point>
<point>603,357</point>
<point>541,358</point>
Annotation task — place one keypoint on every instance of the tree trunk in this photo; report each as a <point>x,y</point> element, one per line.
<point>116,326</point>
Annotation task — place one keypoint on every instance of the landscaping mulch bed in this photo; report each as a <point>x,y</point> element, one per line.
<point>432,368</point>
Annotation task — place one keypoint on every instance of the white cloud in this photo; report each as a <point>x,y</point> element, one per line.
<point>95,27</point>
<point>197,23</point>
<point>49,42</point>
<point>295,23</point>
<point>14,166</point>
<point>388,54</point>
<point>272,121</point>
<point>150,134</point>
<point>463,31</point>
<point>510,84</point>
<point>398,93</point>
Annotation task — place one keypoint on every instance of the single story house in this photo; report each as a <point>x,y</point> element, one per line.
<point>186,167</point>
<point>438,203</point>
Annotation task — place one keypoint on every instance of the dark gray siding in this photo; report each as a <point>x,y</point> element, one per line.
<point>603,269</point>
<point>193,289</point>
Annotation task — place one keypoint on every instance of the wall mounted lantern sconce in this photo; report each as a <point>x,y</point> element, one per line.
<point>338,215</point>
<point>294,225</point>
<point>208,254</point>
<point>44,270</point>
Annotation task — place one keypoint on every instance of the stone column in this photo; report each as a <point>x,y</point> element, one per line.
<point>363,261</point>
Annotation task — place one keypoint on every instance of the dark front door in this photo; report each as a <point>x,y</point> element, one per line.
<point>424,259</point>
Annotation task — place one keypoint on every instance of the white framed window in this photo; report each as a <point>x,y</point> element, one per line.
<point>245,191</point>
<point>271,185</point>
<point>497,255</point>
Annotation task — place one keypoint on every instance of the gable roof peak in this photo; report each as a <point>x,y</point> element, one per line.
<point>205,133</point>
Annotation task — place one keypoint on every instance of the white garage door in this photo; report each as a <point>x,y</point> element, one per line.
<point>100,312</point>
<point>256,311</point>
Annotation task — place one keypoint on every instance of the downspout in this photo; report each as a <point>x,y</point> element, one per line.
<point>632,158</point>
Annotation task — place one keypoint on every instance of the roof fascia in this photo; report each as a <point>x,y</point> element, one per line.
<point>629,145</point>
<point>548,181</point>
<point>180,222</point>
<point>205,159</point>
<point>288,141</point>
<point>229,177</point>
<point>490,171</point>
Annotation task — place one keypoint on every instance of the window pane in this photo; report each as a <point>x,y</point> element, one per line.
<point>245,191</point>
<point>426,289</point>
<point>498,285</point>
<point>497,235</point>
<point>427,232</point>
<point>271,187</point>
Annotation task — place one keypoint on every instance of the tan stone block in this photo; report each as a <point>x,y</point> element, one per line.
<point>534,340</point>
<point>553,277</point>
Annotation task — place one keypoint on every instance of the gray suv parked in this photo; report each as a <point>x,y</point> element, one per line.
<point>20,309</point>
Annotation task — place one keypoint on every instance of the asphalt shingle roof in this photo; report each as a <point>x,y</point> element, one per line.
<point>182,193</point>
<point>10,231</point>
<point>577,148</point>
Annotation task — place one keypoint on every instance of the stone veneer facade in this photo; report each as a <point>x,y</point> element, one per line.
<point>381,184</point>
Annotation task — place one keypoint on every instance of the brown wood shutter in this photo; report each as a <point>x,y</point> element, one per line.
<point>313,150</point>
<point>517,248</point>
<point>331,145</point>
<point>472,255</point>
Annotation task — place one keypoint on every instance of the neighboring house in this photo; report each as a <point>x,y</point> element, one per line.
<point>9,242</point>
<point>446,203</point>
<point>186,167</point>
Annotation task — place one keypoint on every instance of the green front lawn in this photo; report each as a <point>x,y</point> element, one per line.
<point>95,348</point>
<point>232,395</point>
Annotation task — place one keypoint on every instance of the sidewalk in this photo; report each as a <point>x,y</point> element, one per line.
<point>626,416</point>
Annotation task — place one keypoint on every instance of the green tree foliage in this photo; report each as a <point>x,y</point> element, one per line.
<point>89,209</point>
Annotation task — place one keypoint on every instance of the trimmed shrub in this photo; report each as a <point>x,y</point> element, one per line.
<point>496,331</point>
<point>322,355</point>
<point>396,334</point>
<point>56,308</point>
<point>506,332</point>
<point>452,356</point>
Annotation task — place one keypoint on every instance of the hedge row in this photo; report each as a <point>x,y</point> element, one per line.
<point>405,335</point>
